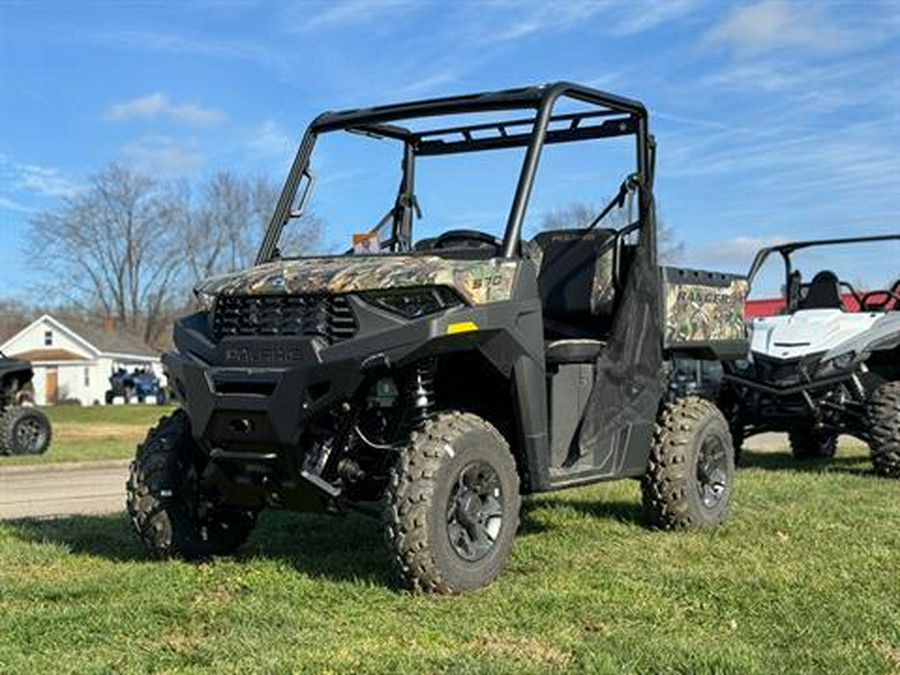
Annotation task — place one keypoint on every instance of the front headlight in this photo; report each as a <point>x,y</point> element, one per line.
<point>205,300</point>
<point>413,303</point>
<point>838,364</point>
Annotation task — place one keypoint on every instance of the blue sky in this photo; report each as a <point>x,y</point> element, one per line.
<point>775,120</point>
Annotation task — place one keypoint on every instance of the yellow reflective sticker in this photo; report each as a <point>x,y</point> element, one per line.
<point>461,327</point>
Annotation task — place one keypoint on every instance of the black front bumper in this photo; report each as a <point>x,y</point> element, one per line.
<point>251,423</point>
<point>262,410</point>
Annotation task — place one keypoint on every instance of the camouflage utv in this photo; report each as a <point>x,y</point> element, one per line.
<point>24,430</point>
<point>442,378</point>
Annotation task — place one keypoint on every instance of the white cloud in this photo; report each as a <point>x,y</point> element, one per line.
<point>7,204</point>
<point>429,83</point>
<point>22,183</point>
<point>802,163</point>
<point>733,254</point>
<point>162,157</point>
<point>159,104</point>
<point>349,12</point>
<point>270,140</point>
<point>499,22</point>
<point>649,14</point>
<point>541,17</point>
<point>46,181</point>
<point>41,180</point>
<point>172,43</point>
<point>771,25</point>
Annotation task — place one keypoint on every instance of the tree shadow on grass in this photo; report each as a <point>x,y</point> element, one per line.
<point>339,548</point>
<point>855,465</point>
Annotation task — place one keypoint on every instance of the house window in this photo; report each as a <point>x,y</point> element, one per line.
<point>87,376</point>
<point>48,338</point>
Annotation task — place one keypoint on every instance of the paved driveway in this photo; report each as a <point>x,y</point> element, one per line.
<point>62,489</point>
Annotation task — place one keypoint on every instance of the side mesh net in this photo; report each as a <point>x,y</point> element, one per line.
<point>622,408</point>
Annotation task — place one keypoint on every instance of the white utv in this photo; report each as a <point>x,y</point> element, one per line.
<point>828,365</point>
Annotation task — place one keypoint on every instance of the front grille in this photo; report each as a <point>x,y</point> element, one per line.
<point>326,316</point>
<point>778,372</point>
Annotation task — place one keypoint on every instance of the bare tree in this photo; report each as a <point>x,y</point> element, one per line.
<point>112,244</point>
<point>223,231</point>
<point>14,316</point>
<point>581,215</point>
<point>130,248</point>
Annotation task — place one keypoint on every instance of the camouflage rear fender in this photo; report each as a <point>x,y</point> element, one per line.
<point>478,281</point>
<point>704,307</point>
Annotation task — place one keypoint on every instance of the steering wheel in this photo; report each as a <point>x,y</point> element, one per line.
<point>868,304</point>
<point>466,239</point>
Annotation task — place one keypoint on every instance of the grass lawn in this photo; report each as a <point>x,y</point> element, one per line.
<point>93,433</point>
<point>804,577</point>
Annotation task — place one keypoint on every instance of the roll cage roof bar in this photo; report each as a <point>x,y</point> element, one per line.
<point>617,116</point>
<point>786,249</point>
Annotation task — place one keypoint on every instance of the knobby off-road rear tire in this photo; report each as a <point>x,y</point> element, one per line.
<point>164,500</point>
<point>813,444</point>
<point>689,478</point>
<point>884,429</point>
<point>452,505</point>
<point>24,431</point>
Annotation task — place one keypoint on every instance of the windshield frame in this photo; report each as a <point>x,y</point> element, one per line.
<point>619,117</point>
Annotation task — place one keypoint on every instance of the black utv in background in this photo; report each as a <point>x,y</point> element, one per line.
<point>444,377</point>
<point>24,430</point>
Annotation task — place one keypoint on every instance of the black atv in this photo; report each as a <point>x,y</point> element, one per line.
<point>139,384</point>
<point>444,378</point>
<point>24,430</point>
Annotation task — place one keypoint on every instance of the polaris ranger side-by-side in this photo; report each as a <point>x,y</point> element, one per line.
<point>818,370</point>
<point>446,376</point>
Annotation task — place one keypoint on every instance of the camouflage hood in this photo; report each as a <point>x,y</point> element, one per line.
<point>478,281</point>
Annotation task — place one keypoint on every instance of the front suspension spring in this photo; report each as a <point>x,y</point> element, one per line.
<point>421,390</point>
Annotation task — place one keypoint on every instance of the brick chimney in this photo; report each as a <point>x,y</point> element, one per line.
<point>108,324</point>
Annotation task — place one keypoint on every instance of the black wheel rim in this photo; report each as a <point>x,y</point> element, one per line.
<point>712,472</point>
<point>30,435</point>
<point>475,511</point>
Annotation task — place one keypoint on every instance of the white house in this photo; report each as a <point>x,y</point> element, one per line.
<point>74,361</point>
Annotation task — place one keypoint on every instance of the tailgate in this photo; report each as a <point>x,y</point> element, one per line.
<point>704,313</point>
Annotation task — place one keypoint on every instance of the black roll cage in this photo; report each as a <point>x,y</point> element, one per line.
<point>616,116</point>
<point>787,249</point>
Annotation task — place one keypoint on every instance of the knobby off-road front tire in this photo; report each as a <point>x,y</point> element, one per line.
<point>884,429</point>
<point>813,444</point>
<point>24,431</point>
<point>164,500</point>
<point>452,505</point>
<point>689,477</point>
